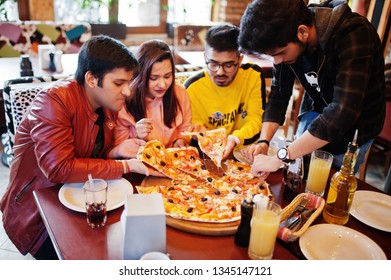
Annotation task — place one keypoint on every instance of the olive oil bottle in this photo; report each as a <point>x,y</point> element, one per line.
<point>343,185</point>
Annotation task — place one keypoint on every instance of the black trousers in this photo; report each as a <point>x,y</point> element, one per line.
<point>46,251</point>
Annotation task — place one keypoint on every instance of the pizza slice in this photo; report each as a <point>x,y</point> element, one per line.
<point>244,186</point>
<point>238,170</point>
<point>188,160</point>
<point>154,154</point>
<point>212,143</point>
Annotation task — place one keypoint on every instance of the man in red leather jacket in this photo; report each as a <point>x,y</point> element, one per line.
<point>59,141</point>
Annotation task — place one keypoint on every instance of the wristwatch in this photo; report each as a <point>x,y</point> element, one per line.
<point>283,155</point>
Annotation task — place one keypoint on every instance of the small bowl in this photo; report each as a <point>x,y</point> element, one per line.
<point>155,256</point>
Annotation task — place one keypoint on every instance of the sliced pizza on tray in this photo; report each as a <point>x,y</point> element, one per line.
<point>238,170</point>
<point>188,160</point>
<point>155,155</point>
<point>202,203</point>
<point>212,143</point>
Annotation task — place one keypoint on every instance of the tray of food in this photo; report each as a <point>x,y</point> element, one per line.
<point>205,201</point>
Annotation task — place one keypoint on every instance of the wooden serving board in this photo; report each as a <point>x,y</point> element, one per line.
<point>203,228</point>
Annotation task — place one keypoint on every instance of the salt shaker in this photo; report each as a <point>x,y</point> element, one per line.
<point>52,66</point>
<point>26,68</point>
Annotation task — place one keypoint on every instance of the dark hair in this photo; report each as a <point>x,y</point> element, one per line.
<point>150,52</point>
<point>270,24</point>
<point>223,37</point>
<point>102,54</point>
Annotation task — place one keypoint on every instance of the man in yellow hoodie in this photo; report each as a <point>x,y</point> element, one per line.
<point>227,93</point>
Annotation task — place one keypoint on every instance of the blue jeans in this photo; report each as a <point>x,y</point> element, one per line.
<point>308,118</point>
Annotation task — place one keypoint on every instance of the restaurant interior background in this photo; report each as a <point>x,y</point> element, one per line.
<point>142,20</point>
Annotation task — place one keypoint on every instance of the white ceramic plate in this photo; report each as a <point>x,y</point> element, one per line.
<point>335,242</point>
<point>373,209</point>
<point>72,195</point>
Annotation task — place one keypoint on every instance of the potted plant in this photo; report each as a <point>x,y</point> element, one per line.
<point>113,27</point>
<point>6,6</point>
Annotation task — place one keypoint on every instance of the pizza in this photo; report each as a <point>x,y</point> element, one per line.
<point>154,154</point>
<point>238,170</point>
<point>195,193</point>
<point>214,201</point>
<point>212,143</point>
<point>187,159</point>
<point>217,202</point>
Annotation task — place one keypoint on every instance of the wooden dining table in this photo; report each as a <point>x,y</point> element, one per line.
<point>10,67</point>
<point>73,239</point>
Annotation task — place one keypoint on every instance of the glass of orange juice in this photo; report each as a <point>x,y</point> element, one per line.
<point>264,228</point>
<point>319,170</point>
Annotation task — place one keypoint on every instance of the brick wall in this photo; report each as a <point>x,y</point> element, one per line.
<point>231,10</point>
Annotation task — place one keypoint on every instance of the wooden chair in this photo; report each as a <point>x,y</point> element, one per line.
<point>379,15</point>
<point>381,144</point>
<point>387,185</point>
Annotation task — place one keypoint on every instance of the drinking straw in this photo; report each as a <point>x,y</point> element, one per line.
<point>91,181</point>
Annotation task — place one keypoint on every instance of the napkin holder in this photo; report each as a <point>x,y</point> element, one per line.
<point>43,55</point>
<point>144,225</point>
<point>314,202</point>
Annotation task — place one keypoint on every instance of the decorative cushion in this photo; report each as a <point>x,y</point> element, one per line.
<point>184,71</point>
<point>190,37</point>
<point>23,37</point>
<point>180,78</point>
<point>187,68</point>
<point>18,95</point>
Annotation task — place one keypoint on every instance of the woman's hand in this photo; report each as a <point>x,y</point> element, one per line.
<point>194,127</point>
<point>144,127</point>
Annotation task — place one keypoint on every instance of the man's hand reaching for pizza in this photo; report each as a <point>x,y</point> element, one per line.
<point>127,149</point>
<point>253,150</point>
<point>229,146</point>
<point>144,127</point>
<point>137,166</point>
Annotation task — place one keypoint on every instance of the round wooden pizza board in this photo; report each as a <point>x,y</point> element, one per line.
<point>203,228</point>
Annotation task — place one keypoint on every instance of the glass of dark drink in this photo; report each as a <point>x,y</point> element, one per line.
<point>95,194</point>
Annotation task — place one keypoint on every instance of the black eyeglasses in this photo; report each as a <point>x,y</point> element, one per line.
<point>227,66</point>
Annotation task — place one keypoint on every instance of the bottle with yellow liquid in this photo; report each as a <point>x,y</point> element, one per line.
<point>342,188</point>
